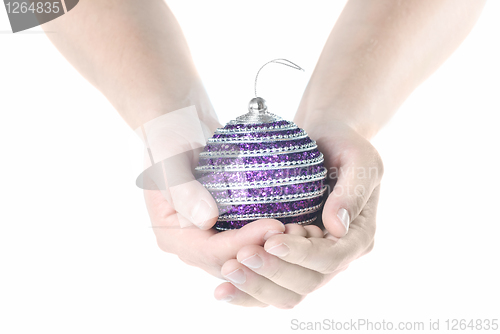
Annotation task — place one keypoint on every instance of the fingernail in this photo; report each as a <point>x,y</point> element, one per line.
<point>237,276</point>
<point>253,261</point>
<point>343,216</point>
<point>279,250</point>
<point>226,299</point>
<point>271,233</point>
<point>201,213</point>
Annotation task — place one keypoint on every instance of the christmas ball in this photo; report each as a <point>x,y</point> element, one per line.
<point>261,166</point>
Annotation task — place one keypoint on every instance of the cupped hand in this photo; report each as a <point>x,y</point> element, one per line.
<point>291,265</point>
<point>182,211</point>
<point>206,249</point>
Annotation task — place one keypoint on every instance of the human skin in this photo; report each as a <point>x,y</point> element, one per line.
<point>377,53</point>
<point>136,55</point>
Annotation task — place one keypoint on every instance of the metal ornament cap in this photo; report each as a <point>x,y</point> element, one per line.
<point>257,113</point>
<point>257,105</point>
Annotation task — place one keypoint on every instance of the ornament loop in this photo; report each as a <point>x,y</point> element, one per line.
<point>276,61</point>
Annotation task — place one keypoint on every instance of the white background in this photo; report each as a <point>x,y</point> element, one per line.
<point>77,254</point>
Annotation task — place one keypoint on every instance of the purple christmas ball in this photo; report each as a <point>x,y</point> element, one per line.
<point>260,166</point>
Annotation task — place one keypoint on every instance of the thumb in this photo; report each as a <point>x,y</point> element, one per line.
<point>174,178</point>
<point>173,141</point>
<point>359,174</point>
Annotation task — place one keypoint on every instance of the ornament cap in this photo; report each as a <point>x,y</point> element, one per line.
<point>257,113</point>
<point>257,106</point>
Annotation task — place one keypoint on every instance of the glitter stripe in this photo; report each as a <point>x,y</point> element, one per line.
<point>218,227</point>
<point>272,199</point>
<point>271,215</point>
<point>254,167</point>
<point>299,135</point>
<point>257,153</point>
<point>290,126</point>
<point>263,184</point>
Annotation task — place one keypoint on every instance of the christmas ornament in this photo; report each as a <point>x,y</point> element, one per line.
<point>261,166</point>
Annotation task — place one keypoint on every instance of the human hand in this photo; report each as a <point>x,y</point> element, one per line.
<point>206,249</point>
<point>182,211</point>
<point>291,265</point>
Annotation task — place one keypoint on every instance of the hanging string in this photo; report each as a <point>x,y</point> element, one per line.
<point>277,61</point>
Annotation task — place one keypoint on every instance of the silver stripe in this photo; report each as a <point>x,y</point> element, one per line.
<point>273,183</point>
<point>270,200</point>
<point>305,222</point>
<point>271,215</point>
<point>290,126</point>
<point>257,153</point>
<point>299,135</point>
<point>257,167</point>
<point>250,119</point>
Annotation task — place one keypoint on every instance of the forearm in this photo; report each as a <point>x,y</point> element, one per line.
<point>377,53</point>
<point>134,52</point>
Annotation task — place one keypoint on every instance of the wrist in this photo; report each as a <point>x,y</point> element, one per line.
<point>324,109</point>
<point>157,100</point>
<point>365,108</point>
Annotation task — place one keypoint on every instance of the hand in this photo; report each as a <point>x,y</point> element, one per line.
<point>206,249</point>
<point>291,265</point>
<point>173,142</point>
<point>182,211</point>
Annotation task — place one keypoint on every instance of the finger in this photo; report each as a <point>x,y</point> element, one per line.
<point>326,254</point>
<point>307,231</point>
<point>225,245</point>
<point>295,229</point>
<point>290,276</point>
<point>173,142</point>
<point>189,197</point>
<point>312,253</point>
<point>229,293</point>
<point>258,286</point>
<point>162,213</point>
<point>195,203</point>
<point>157,198</point>
<point>183,221</point>
<point>359,173</point>
<point>174,178</point>
<point>313,231</point>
